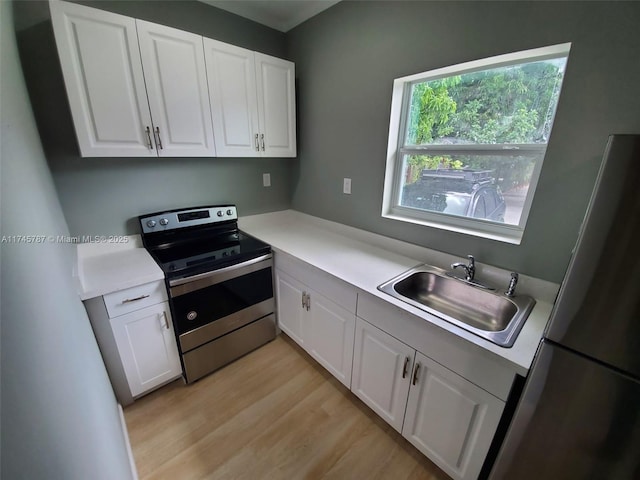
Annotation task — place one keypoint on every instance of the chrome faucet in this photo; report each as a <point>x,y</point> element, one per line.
<point>511,290</point>
<point>469,269</point>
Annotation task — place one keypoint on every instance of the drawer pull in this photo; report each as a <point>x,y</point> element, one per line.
<point>129,300</point>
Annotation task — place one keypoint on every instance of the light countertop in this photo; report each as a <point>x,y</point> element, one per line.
<point>366,260</point>
<point>110,267</point>
<point>362,259</point>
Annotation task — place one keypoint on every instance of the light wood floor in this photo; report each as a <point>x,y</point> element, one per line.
<point>273,414</point>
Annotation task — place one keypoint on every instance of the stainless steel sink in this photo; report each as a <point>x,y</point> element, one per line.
<point>478,309</point>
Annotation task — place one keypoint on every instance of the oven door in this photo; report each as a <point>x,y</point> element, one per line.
<point>212,304</point>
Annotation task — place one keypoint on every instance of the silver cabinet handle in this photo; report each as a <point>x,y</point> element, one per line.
<point>262,141</point>
<point>166,320</point>
<point>306,301</point>
<point>158,137</point>
<point>257,144</point>
<point>404,368</point>
<point>416,369</point>
<point>149,138</point>
<point>129,300</point>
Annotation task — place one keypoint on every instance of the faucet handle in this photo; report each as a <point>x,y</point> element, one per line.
<point>471,267</point>
<point>511,290</point>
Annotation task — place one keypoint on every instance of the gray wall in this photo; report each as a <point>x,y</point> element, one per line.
<point>346,60</point>
<point>59,414</point>
<point>102,196</point>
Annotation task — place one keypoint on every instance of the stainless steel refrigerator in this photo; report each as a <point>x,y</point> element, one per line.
<point>579,414</point>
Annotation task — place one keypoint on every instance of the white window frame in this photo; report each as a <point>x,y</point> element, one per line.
<point>396,150</point>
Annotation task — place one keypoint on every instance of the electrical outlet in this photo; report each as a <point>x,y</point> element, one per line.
<point>346,187</point>
<point>266,179</point>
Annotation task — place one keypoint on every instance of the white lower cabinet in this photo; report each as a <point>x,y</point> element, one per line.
<point>147,347</point>
<point>448,418</point>
<point>321,326</point>
<point>381,372</point>
<point>291,307</point>
<point>136,339</point>
<point>443,395</point>
<point>329,334</point>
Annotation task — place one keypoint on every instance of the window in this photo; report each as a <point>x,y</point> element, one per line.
<point>467,142</point>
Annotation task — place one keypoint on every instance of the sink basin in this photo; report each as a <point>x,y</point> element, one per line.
<point>478,309</point>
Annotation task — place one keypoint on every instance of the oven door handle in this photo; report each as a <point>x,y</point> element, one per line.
<point>215,276</point>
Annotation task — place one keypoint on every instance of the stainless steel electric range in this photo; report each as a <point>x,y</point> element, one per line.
<point>220,284</point>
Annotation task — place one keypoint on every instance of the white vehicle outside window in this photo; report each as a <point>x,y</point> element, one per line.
<point>467,142</point>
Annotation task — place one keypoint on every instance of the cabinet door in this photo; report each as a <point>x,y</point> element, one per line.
<point>176,79</point>
<point>329,333</point>
<point>382,369</point>
<point>234,105</point>
<point>290,307</point>
<point>103,76</point>
<point>276,106</point>
<point>449,419</point>
<point>147,347</point>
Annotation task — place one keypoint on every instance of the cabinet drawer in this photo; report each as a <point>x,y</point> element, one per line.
<point>135,298</point>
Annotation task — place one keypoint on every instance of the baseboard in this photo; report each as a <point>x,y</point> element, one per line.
<point>125,433</point>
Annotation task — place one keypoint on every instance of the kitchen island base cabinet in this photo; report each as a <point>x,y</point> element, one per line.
<point>147,347</point>
<point>321,326</point>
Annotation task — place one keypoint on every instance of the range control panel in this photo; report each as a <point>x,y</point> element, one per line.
<point>174,219</point>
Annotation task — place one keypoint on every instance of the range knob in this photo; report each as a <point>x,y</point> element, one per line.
<point>151,223</point>
<point>164,221</point>
<point>229,212</point>
<point>220,213</point>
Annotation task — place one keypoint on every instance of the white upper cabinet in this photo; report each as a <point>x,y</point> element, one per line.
<point>104,80</point>
<point>276,106</point>
<point>252,102</point>
<point>139,89</point>
<point>176,80</point>
<point>234,105</point>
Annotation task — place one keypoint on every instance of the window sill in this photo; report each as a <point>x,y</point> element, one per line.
<point>512,236</point>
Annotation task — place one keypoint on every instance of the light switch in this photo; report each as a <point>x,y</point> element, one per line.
<point>266,179</point>
<point>346,188</point>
